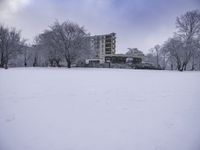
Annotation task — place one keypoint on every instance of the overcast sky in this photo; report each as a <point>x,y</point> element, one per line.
<point>138,23</point>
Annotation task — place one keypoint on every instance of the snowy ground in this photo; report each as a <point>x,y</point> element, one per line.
<point>99,109</point>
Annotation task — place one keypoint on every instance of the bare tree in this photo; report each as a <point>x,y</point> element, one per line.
<point>188,26</point>
<point>183,47</point>
<point>154,56</point>
<point>134,52</point>
<point>150,58</point>
<point>70,39</point>
<point>10,44</point>
<point>157,50</point>
<point>164,57</point>
<point>52,47</point>
<point>174,46</point>
<point>3,36</point>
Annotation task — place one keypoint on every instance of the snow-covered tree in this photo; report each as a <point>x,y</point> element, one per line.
<point>134,52</point>
<point>188,26</point>
<point>174,47</point>
<point>51,46</point>
<point>67,40</point>
<point>11,44</point>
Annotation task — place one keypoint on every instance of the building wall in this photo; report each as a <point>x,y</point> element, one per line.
<point>103,45</point>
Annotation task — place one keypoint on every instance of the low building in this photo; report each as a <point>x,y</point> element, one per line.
<point>122,58</point>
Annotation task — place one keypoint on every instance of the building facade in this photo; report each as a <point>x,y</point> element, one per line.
<point>103,45</point>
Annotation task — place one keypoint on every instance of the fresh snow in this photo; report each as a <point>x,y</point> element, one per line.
<point>99,109</point>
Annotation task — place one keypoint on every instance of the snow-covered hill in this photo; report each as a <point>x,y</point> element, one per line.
<point>99,109</point>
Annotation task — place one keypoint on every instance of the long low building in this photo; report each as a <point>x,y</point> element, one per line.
<point>123,58</point>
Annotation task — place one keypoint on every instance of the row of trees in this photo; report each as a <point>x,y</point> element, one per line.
<point>182,51</point>
<point>68,43</point>
<point>61,43</point>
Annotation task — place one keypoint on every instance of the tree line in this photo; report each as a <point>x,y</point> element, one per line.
<point>68,43</point>
<point>182,51</point>
<point>62,42</point>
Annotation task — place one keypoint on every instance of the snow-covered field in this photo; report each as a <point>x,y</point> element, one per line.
<point>99,109</point>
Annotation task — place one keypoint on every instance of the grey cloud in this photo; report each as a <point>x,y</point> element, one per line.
<point>138,23</point>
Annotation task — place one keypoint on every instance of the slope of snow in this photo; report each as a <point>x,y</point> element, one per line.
<point>99,109</point>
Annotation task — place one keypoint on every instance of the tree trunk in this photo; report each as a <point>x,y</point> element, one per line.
<point>179,67</point>
<point>35,62</point>
<point>6,64</point>
<point>57,63</point>
<point>68,64</point>
<point>193,63</point>
<point>199,66</point>
<point>2,61</point>
<point>193,68</point>
<point>51,63</point>
<point>68,61</point>
<point>1,65</point>
<point>172,67</point>
<point>157,60</point>
<point>25,62</point>
<point>184,66</point>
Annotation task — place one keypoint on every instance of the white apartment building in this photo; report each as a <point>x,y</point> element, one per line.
<point>103,45</point>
